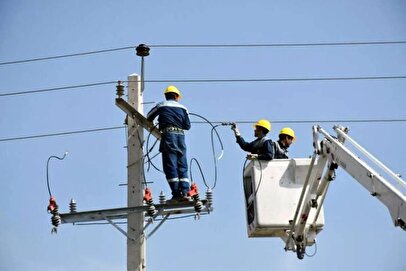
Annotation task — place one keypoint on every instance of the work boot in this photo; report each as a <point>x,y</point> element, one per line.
<point>184,186</point>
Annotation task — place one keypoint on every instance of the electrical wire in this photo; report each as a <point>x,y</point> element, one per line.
<point>337,78</point>
<point>259,182</point>
<point>148,150</point>
<point>35,91</point>
<point>213,128</point>
<point>229,45</point>
<point>62,133</point>
<point>247,80</point>
<point>149,160</point>
<point>200,122</point>
<point>200,169</point>
<point>59,158</point>
<point>225,45</point>
<point>315,251</point>
<point>65,56</point>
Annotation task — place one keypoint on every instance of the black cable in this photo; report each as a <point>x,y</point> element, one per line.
<point>277,79</point>
<point>148,150</point>
<point>259,182</point>
<point>200,169</point>
<point>52,156</point>
<point>62,133</point>
<point>275,44</point>
<point>67,55</point>
<point>198,122</point>
<point>213,151</point>
<point>56,88</point>
<point>320,121</point>
<point>205,46</point>
<point>13,93</point>
<point>315,251</point>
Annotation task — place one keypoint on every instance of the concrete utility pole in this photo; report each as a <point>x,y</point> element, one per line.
<point>136,238</point>
<point>136,209</point>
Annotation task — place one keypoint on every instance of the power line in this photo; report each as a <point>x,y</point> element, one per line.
<point>13,93</point>
<point>276,79</point>
<point>214,122</point>
<point>276,44</point>
<point>205,46</point>
<point>62,133</point>
<point>64,56</point>
<point>248,80</point>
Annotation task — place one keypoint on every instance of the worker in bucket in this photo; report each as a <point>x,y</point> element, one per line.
<point>173,119</point>
<point>262,147</point>
<point>286,138</point>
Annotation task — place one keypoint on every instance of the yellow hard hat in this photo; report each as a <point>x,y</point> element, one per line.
<point>173,89</point>
<point>288,131</point>
<point>264,124</point>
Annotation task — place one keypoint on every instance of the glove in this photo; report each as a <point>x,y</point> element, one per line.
<point>252,156</point>
<point>235,129</point>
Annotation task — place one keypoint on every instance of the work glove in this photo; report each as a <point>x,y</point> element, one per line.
<point>252,156</point>
<point>235,129</point>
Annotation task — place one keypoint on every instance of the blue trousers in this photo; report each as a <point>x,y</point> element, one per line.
<point>174,162</point>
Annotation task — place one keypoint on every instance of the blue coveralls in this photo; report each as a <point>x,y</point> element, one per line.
<point>173,118</point>
<point>264,147</point>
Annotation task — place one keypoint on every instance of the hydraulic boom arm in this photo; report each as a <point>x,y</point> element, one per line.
<point>331,151</point>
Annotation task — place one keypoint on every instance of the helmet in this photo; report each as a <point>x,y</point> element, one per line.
<point>288,131</point>
<point>172,89</point>
<point>264,124</point>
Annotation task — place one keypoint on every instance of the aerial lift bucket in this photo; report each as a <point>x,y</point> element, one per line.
<point>272,191</point>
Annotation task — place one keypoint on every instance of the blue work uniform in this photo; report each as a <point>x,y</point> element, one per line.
<point>173,119</point>
<point>261,146</point>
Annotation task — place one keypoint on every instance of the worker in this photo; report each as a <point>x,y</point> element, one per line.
<point>173,119</point>
<point>286,138</point>
<point>262,147</point>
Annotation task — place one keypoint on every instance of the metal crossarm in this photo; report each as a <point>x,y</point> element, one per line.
<point>122,213</point>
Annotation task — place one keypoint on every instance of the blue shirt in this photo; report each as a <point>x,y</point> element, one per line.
<point>170,114</point>
<point>261,146</point>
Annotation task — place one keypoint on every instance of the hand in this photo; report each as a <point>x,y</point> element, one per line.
<point>252,156</point>
<point>235,129</point>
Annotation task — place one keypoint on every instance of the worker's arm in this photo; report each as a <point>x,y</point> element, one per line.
<point>186,122</point>
<point>153,113</point>
<point>246,146</point>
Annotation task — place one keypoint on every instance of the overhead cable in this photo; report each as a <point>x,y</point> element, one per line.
<point>56,88</point>
<point>62,133</point>
<point>224,45</point>
<point>66,55</point>
<point>213,122</point>
<point>248,80</point>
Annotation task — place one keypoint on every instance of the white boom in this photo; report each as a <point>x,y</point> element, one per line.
<point>331,151</point>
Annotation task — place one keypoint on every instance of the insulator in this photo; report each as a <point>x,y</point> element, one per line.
<point>198,206</point>
<point>209,197</point>
<point>56,219</point>
<point>197,203</point>
<point>142,50</point>
<point>72,206</point>
<point>162,198</point>
<point>119,89</point>
<point>151,208</point>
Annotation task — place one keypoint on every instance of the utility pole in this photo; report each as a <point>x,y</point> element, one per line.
<point>136,209</point>
<point>135,167</point>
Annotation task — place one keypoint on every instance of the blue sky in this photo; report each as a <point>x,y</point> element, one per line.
<point>358,233</point>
